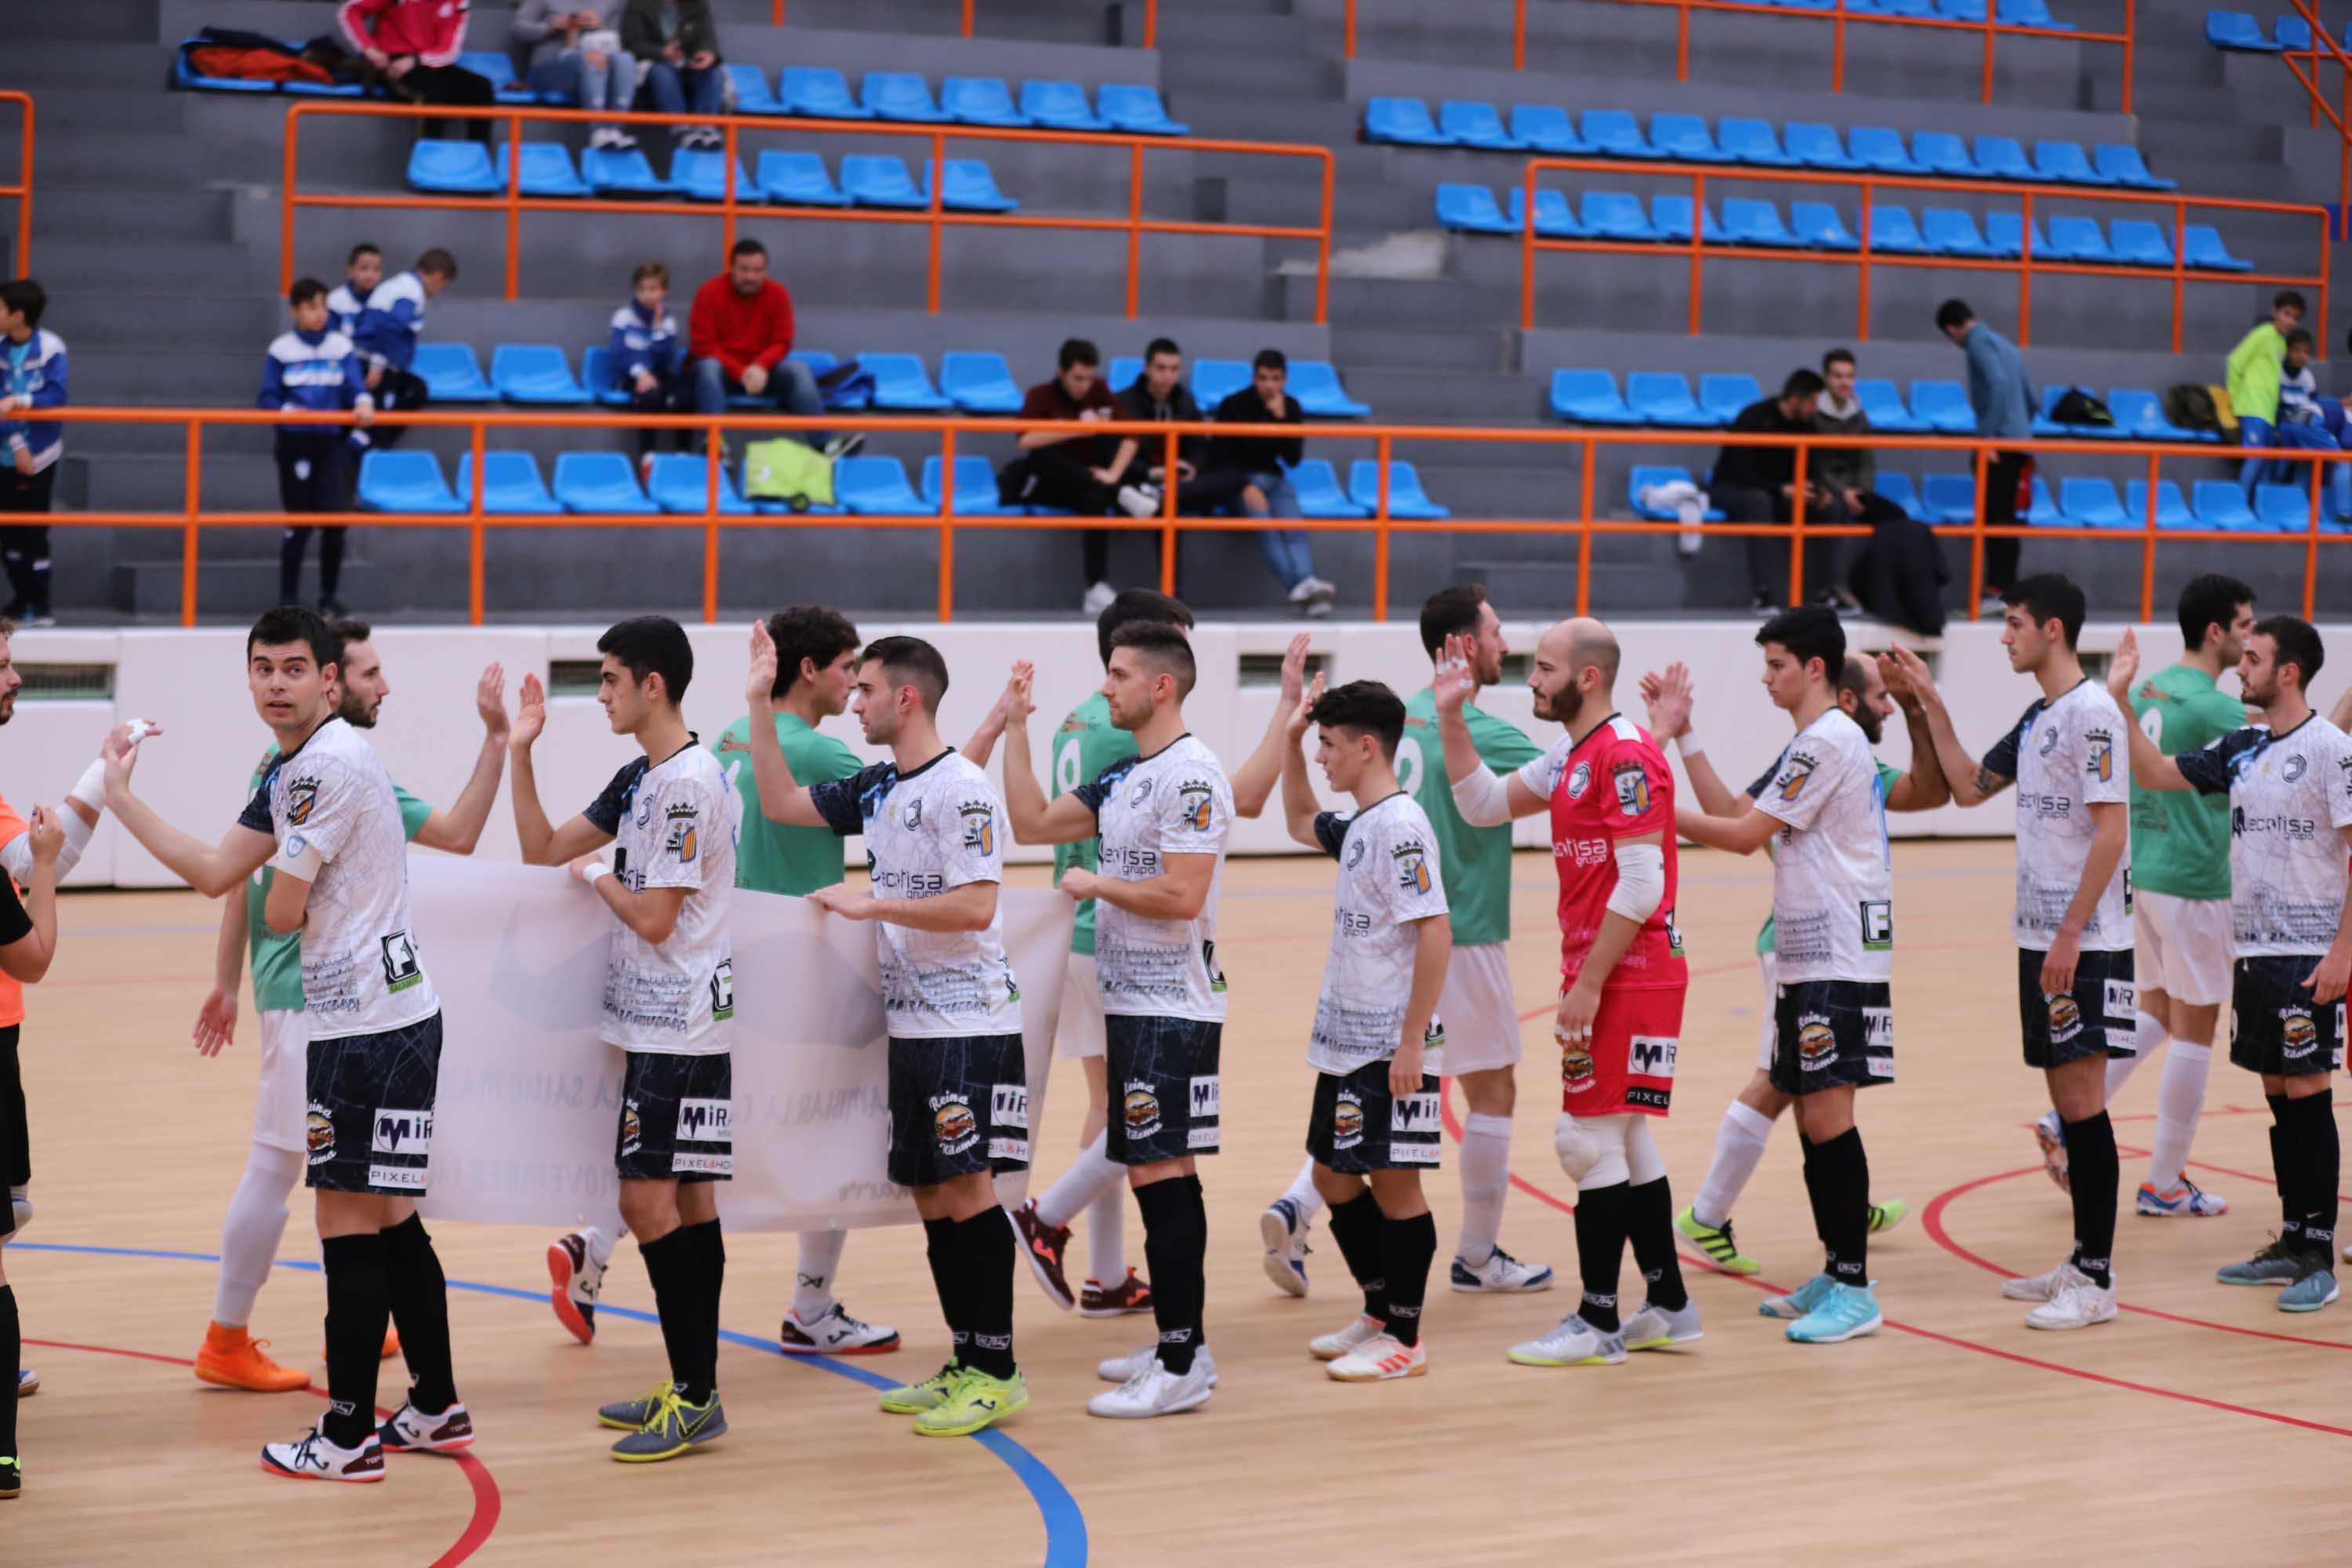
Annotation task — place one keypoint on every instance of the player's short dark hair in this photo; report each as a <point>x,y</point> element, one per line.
<point>1837,357</point>
<point>1450,611</point>
<point>910,661</point>
<point>362,249</point>
<point>652,644</point>
<point>1132,605</point>
<point>818,633</point>
<point>2298,645</point>
<point>305,289</point>
<point>1802,383</point>
<point>1164,645</point>
<point>744,247</point>
<point>1158,346</point>
<point>1366,706</point>
<point>2299,339</point>
<point>290,624</point>
<point>2211,600</point>
<point>349,629</point>
<point>27,296</point>
<point>2049,596</point>
<point>438,262</point>
<point>1076,351</point>
<point>1271,359</point>
<point>2287,298</point>
<point>1953,313</point>
<point>1853,675</point>
<point>1809,632</point>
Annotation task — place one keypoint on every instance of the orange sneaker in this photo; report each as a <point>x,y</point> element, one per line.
<point>1129,1295</point>
<point>233,1359</point>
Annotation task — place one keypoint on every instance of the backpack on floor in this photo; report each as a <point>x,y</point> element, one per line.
<point>784,471</point>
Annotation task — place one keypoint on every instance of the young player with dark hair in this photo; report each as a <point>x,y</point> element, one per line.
<point>669,994</point>
<point>2074,919</point>
<point>2289,785</point>
<point>935,832</point>
<point>1377,1045</point>
<point>386,337</point>
<point>649,357</point>
<point>313,369</point>
<point>32,378</point>
<point>363,270</point>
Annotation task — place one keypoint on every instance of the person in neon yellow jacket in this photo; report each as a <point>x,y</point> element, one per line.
<point>2253,381</point>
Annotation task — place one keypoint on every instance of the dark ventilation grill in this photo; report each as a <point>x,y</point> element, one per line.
<point>1266,668</point>
<point>66,682</point>
<point>574,677</point>
<point>1516,668</point>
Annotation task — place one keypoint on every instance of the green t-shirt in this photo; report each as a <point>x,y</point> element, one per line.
<point>277,956</point>
<point>1474,861</point>
<point>776,857</point>
<point>1085,744</point>
<point>2180,839</point>
<point>1887,777</point>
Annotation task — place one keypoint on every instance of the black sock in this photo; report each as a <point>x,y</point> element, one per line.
<point>1602,1217</point>
<point>2318,1159</point>
<point>2287,1169</point>
<point>331,560</point>
<point>710,1250</point>
<point>1175,1243</point>
<point>1813,1197</point>
<point>291,545</point>
<point>419,1295</point>
<point>984,1253</point>
<point>359,1307</point>
<point>1200,1302</point>
<point>676,1276</point>
<point>1408,1247</point>
<point>2093,1169</point>
<point>947,1279</point>
<point>1650,1216</point>
<point>1356,1228</point>
<point>1840,1183</point>
<point>12,1350</point>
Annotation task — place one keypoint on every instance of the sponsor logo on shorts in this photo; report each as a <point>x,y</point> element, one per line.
<point>1009,1149</point>
<point>1878,1028</point>
<point>1882,1066</point>
<point>1206,1096</point>
<point>1652,1099</point>
<point>1346,1121</point>
<point>1816,1042</point>
<point>706,1121</point>
<point>952,1123</point>
<point>401,1133</point>
<point>400,1178</point>
<point>1008,1105</point>
<point>686,1162</point>
<point>633,1130</point>
<point>318,1133</point>
<point>1653,1056</point>
<point>2120,998</point>
<point>2066,1018</point>
<point>2298,1033</point>
<point>1139,1111</point>
<point>1418,1153</point>
<point>1413,1116</point>
<point>1201,1138</point>
<point>1576,1069</point>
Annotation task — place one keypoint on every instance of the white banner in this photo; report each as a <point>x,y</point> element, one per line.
<point>525,1126</point>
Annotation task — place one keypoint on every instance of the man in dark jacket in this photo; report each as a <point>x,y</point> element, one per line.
<point>677,41</point>
<point>1758,484</point>
<point>1160,396</point>
<point>1078,472</point>
<point>1262,461</point>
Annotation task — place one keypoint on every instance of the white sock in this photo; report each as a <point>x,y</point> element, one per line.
<point>820,1264</point>
<point>1106,1236</point>
<point>1303,1195</point>
<point>2148,1036</point>
<point>2179,1095</point>
<point>250,1231</point>
<point>1084,1182</point>
<point>1486,1182</point>
<point>1738,1145</point>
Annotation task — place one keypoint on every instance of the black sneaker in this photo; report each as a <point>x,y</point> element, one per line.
<point>333,608</point>
<point>12,1479</point>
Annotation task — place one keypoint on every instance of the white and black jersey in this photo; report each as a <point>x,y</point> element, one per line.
<point>2066,755</point>
<point>2290,795</point>
<point>1390,878</point>
<point>673,825</point>
<point>1833,878</point>
<point>1176,801</point>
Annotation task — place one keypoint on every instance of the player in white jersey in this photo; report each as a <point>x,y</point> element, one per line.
<point>327,809</point>
<point>2074,919</point>
<point>1162,817</point>
<point>2289,784</point>
<point>935,832</point>
<point>669,993</point>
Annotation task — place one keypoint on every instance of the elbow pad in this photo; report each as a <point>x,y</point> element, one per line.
<point>1484,800</point>
<point>1641,882</point>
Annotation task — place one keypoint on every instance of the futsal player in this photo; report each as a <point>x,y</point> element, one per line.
<point>2073,923</point>
<point>28,940</point>
<point>1163,817</point>
<point>230,1357</point>
<point>1610,797</point>
<point>1377,1047</point>
<point>935,832</point>
<point>1482,1020</point>
<point>373,1022</point>
<point>2288,781</point>
<point>669,997</point>
<point>1865,696</point>
<point>1824,811</point>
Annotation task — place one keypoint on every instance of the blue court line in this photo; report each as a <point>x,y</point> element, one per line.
<point>1065,1524</point>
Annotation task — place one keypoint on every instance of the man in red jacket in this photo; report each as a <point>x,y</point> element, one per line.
<point>411,48</point>
<point>740,331</point>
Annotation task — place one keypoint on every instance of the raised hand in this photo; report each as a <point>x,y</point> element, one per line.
<point>1302,713</point>
<point>1911,670</point>
<point>1020,694</point>
<point>1898,681</point>
<point>490,699</point>
<point>1455,681</point>
<point>47,832</point>
<point>2124,666</point>
<point>530,711</point>
<point>1669,697</point>
<point>119,751</point>
<point>1293,669</point>
<point>760,681</point>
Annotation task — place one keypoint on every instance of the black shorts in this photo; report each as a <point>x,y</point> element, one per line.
<point>1832,1034</point>
<point>959,1106</point>
<point>15,1142</point>
<point>1163,1087</point>
<point>2095,1019</point>
<point>1358,1127</point>
<point>678,1121</point>
<point>2275,1026</point>
<point>371,1124</point>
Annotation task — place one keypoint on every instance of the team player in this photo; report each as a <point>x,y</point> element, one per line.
<point>2073,923</point>
<point>1611,801</point>
<point>1824,812</point>
<point>2288,781</point>
<point>935,831</point>
<point>1482,1021</point>
<point>1378,1045</point>
<point>1163,817</point>
<point>1865,696</point>
<point>328,811</point>
<point>230,1357</point>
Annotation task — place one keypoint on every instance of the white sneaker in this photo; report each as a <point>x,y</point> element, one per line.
<point>1574,1343</point>
<point>1097,599</point>
<point>2041,1287</point>
<point>1121,1368</point>
<point>601,138</point>
<point>2075,1304</point>
<point>1378,1359</point>
<point>1140,501</point>
<point>409,1430</point>
<point>575,1262</point>
<point>1284,1235</point>
<point>1655,1328</point>
<point>1154,1391</point>
<point>834,1332</point>
<point>311,1458</point>
<point>1362,1332</point>
<point>1501,1274</point>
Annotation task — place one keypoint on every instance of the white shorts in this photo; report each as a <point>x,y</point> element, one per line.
<point>1482,1021</point>
<point>282,1106</point>
<point>1769,965</point>
<point>1082,1010</point>
<point>2182,947</point>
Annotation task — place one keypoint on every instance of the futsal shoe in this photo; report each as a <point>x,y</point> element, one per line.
<point>575,1262</point>
<point>12,1479</point>
<point>1888,1215</point>
<point>311,1458</point>
<point>1655,1328</point>
<point>914,1398</point>
<point>1155,1390</point>
<point>409,1430</point>
<point>675,1428</point>
<point>1047,1249</point>
<point>2314,1288</point>
<point>2075,1302</point>
<point>1129,1295</point>
<point>2041,1287</point>
<point>835,1332</point>
<point>977,1401</point>
<point>1332,1346</point>
<point>1501,1275</point>
<point>2278,1263</point>
<point>1574,1343</point>
<point>1377,1361</point>
<point>2050,1135</point>
<point>1119,1368</point>
<point>1801,1303</point>
<point>628,1415</point>
<point>1847,1312</point>
<point>233,1358</point>
<point>1284,1235</point>
<point>1716,1241</point>
<point>29,1383</point>
<point>2187,1200</point>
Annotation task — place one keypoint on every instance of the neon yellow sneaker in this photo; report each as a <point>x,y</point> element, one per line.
<point>977,1400</point>
<point>914,1398</point>
<point>1715,1242</point>
<point>675,1428</point>
<point>1888,1215</point>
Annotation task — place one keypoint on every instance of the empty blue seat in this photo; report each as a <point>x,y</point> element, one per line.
<point>1403,119</point>
<point>975,487</point>
<point>2124,166</point>
<point>511,485</point>
<point>798,179</point>
<point>1895,231</point>
<point>879,180</point>
<point>1947,497</point>
<point>1684,138</point>
<point>2043,511</point>
<point>2282,508</point>
<point>1614,215</point>
<point>1949,231</point>
<point>2171,511</point>
<point>1753,141</point>
<point>970,187</point>
<point>2200,245</point>
<point>2074,238</point>
<point>405,481</point>
<point>1614,133</point>
<point>754,95</point>
<point>701,174</point>
<point>2139,241</point>
<point>900,382</point>
<point>2237,30</point>
<point>1589,397</point>
<point>1472,210</point>
<point>1318,492</point>
<point>1726,394</point>
<point>1816,146</point>
<point>1883,404</point>
<point>876,486</point>
<point>1214,379</point>
<point>494,66</point>
<point>1817,224</point>
<point>1651,476</point>
<point>1876,147</point>
<point>601,376</point>
<point>454,168</point>
<point>2028,14</point>
<point>680,483</point>
<point>1472,123</point>
<point>1406,498</point>
<point>547,170</point>
<point>1553,218</point>
<point>1061,105</point>
<point>1941,152</point>
<point>979,101</point>
<point>2092,503</point>
<point>1747,221</point>
<point>600,482</point>
<point>2065,163</point>
<point>1125,370</point>
<point>613,173</point>
<point>2292,33</point>
<point>2005,232</point>
<point>2221,503</point>
<point>1663,397</point>
<point>451,373</point>
<point>1136,106</point>
<point>535,372</point>
<point>1546,128</point>
<point>978,382</point>
<point>1943,405</point>
<point>900,95</point>
<point>1960,10</point>
<point>818,90</point>
<point>849,397</point>
<point>2002,158</point>
<point>1899,7</point>
<point>1671,217</point>
<point>2140,413</point>
<point>1890,485</point>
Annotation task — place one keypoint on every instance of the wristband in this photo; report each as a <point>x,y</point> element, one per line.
<point>90,788</point>
<point>1689,744</point>
<point>595,872</point>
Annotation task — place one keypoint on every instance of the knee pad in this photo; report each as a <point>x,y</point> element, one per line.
<point>20,1208</point>
<point>1592,1151</point>
<point>1643,1163</point>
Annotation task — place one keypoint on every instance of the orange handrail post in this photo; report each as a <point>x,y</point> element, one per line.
<point>1584,531</point>
<point>967,18</point>
<point>2310,544</point>
<point>1381,448</point>
<point>1797,530</point>
<point>727,193</point>
<point>1977,534</point>
<point>1168,513</point>
<point>1837,49</point>
<point>714,467</point>
<point>1862,286</point>
<point>23,189</point>
<point>1152,26</point>
<point>2131,55</point>
<point>947,522</point>
<point>1520,34</point>
<point>1682,43</point>
<point>1348,33</point>
<point>1992,32</point>
<point>1323,244</point>
<point>474,530</point>
<point>514,205</point>
<point>1135,228</point>
<point>2148,545</point>
<point>195,487</point>
<point>776,13</point>
<point>1527,251</point>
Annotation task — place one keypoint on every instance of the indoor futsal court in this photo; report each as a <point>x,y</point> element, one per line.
<point>2200,1428</point>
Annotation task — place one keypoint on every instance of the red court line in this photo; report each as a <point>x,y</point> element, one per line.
<point>477,1475</point>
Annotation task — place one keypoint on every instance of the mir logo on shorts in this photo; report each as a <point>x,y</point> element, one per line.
<point>402,1132</point>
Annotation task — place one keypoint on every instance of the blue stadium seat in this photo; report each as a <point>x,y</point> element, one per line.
<point>1949,231</point>
<point>2171,511</point>
<point>1214,379</point>
<point>2124,166</point>
<point>2292,33</point>
<point>701,174</point>
<point>876,486</point>
<point>1125,370</point>
<point>2042,512</point>
<point>2005,232</point>
<point>1554,219</point>
<point>798,179</point>
<point>1924,8</point>
<point>1406,498</point>
<point>453,168</point>
<point>602,377</point>
<point>1671,217</point>
<point>1402,120</point>
<point>975,487</point>
<point>1941,152</point>
<point>1649,476</point>
<point>2075,238</point>
<point>2092,503</point>
<point>1613,134</point>
<point>511,485</point>
<point>2139,241</point>
<point>1546,128</point>
<point>978,382</point>
<point>1876,147</point>
<point>1472,210</point>
<point>2140,413</point>
<point>1818,224</point>
<point>494,66</point>
<point>2065,163</point>
<point>1753,141</point>
<point>2002,158</point>
<point>1135,106</point>
<point>1473,123</point>
<point>2028,14</point>
<point>1816,146</point>
<point>1684,138</point>
<point>979,100</point>
<point>547,170</point>
<point>900,383</point>
<point>2221,503</point>
<point>1947,497</point>
<point>600,482</point>
<point>1960,10</point>
<point>1061,105</point>
<point>754,95</point>
<point>1589,397</point>
<point>451,373</point>
<point>2045,422</point>
<point>611,172</point>
<point>405,481</point>
<point>879,180</point>
<point>1747,221</point>
<point>1895,231</point>
<point>2237,30</point>
<point>535,372</point>
<point>1896,487</point>
<point>2282,508</point>
<point>1614,215</point>
<point>970,187</point>
<point>1318,492</point>
<point>820,91</point>
<point>900,95</point>
<point>1726,394</point>
<point>2200,245</point>
<point>818,362</point>
<point>1943,405</point>
<point>680,483</point>
<point>1883,404</point>
<point>1663,397</point>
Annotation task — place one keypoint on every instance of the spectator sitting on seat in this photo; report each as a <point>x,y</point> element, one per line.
<point>679,43</point>
<point>313,368</point>
<point>412,49</point>
<point>575,54</point>
<point>32,376</point>
<point>1846,472</point>
<point>363,270</point>
<point>741,330</point>
<point>1204,483</point>
<point>2004,400</point>
<point>1072,470</point>
<point>2253,382</point>
<point>648,360</point>
<point>389,328</point>
<point>1261,461</point>
<point>2309,422</point>
<point>1759,484</point>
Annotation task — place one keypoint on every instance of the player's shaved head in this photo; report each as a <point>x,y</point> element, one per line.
<point>1564,654</point>
<point>1591,643</point>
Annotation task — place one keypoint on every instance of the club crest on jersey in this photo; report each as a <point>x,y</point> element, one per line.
<point>1356,851</point>
<point>1795,777</point>
<point>301,799</point>
<point>1199,801</point>
<point>2049,741</point>
<point>912,814</point>
<point>978,825</point>
<point>953,1126</point>
<point>1412,868</point>
<point>2102,764</point>
<point>2292,768</point>
<point>1816,1041</point>
<point>2066,1018</point>
<point>680,829</point>
<point>2298,1036</point>
<point>1633,782</point>
<point>319,1135</point>
<point>1346,1121</point>
<point>1580,779</point>
<point>1139,1111</point>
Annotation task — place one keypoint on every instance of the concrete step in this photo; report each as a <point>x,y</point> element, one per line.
<point>1279,74</point>
<point>1311,112</point>
<point>112,107</point>
<point>1420,395</point>
<point>1424,302</point>
<point>240,589</point>
<point>1363,347</point>
<point>92,263</point>
<point>85,64</point>
<point>113,21</point>
<point>183,213</point>
<point>2161,140</point>
<point>119,158</point>
<point>234,323</point>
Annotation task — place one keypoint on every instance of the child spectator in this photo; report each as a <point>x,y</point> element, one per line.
<point>412,49</point>
<point>32,376</point>
<point>2309,422</point>
<point>363,270</point>
<point>2253,382</point>
<point>313,367</point>
<point>648,356</point>
<point>388,330</point>
<point>1265,459</point>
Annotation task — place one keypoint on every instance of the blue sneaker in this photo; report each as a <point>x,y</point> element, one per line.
<point>1284,1235</point>
<point>1848,1312</point>
<point>2314,1288</point>
<point>1801,1302</point>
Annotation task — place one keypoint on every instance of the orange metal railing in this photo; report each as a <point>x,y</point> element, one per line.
<point>2026,267</point>
<point>735,206</point>
<point>1838,17</point>
<point>2304,65</point>
<point>1582,524</point>
<point>23,189</point>
<point>1150,19</point>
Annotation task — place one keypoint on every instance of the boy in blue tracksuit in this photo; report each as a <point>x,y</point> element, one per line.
<point>648,356</point>
<point>32,377</point>
<point>361,272</point>
<point>388,329</point>
<point>313,367</point>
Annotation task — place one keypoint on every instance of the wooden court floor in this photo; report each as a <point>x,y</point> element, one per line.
<point>2203,1427</point>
